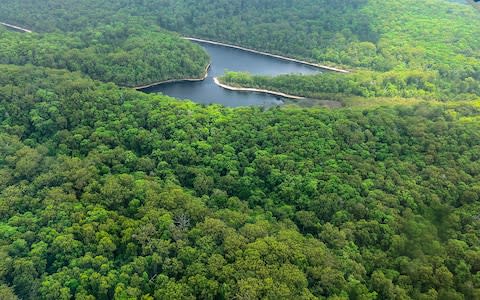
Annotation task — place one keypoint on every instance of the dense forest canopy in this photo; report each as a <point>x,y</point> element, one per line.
<point>122,54</point>
<point>435,37</point>
<point>135,194</point>
<point>109,193</point>
<point>331,86</point>
<point>287,27</point>
<point>98,39</point>
<point>380,35</point>
<point>70,15</point>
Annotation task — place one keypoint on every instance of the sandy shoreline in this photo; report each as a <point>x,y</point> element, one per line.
<point>269,54</point>
<point>231,88</point>
<point>175,80</point>
<point>16,27</point>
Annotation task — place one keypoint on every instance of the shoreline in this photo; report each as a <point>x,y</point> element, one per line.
<point>15,27</point>
<point>231,88</point>
<point>269,54</point>
<point>141,87</point>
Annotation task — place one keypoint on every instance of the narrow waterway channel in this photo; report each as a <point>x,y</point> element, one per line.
<point>230,59</point>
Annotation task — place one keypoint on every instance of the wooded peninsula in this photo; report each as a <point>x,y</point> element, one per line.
<point>107,192</point>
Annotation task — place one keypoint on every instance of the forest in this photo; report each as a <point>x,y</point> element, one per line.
<point>110,193</point>
<point>136,195</point>
<point>366,84</point>
<point>121,54</point>
<point>435,39</point>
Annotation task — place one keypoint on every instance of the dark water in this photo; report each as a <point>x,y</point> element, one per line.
<point>224,58</point>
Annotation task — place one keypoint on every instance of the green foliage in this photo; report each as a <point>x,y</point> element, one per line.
<point>299,28</point>
<point>107,193</point>
<point>123,54</point>
<point>427,49</point>
<point>406,84</point>
<point>136,196</point>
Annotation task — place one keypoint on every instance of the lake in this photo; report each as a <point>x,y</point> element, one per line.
<point>229,59</point>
